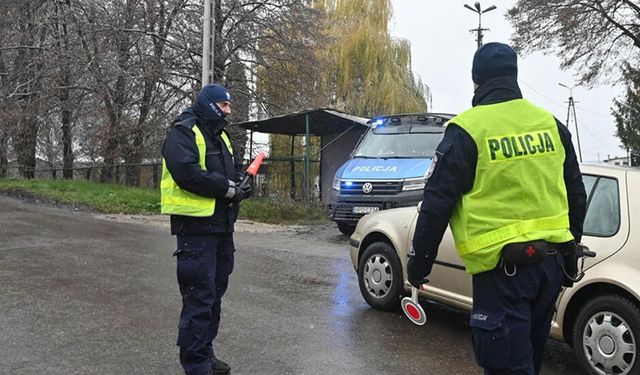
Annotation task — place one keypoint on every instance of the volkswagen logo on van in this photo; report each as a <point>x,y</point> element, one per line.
<point>367,187</point>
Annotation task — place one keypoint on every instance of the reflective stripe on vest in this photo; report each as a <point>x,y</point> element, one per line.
<point>177,201</point>
<point>518,192</point>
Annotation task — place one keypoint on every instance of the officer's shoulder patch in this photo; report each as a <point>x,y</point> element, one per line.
<point>433,166</point>
<point>441,150</point>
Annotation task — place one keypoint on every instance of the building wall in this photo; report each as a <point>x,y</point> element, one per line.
<point>621,161</point>
<point>334,156</point>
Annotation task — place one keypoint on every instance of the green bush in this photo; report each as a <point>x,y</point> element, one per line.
<point>282,211</point>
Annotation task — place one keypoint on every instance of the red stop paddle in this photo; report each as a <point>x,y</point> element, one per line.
<point>412,308</point>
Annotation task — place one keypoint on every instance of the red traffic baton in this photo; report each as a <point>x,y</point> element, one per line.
<point>412,308</point>
<point>255,165</point>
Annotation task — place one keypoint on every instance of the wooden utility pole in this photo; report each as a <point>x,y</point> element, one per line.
<point>571,109</point>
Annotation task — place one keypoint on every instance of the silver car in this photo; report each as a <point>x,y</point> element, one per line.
<point>599,317</point>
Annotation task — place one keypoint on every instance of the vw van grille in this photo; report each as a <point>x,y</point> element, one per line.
<point>378,187</point>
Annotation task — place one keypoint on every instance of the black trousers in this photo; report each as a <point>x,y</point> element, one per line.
<point>511,315</point>
<point>204,263</point>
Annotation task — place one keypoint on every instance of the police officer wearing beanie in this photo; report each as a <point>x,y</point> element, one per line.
<point>200,191</point>
<point>506,178</point>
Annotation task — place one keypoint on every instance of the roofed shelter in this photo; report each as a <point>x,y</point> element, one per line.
<point>339,134</point>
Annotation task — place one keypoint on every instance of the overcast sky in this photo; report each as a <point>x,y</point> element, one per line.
<point>442,49</point>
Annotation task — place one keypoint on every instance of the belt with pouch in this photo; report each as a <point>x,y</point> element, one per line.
<point>530,252</point>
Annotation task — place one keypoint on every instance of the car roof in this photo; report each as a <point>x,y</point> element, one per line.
<point>422,117</point>
<point>603,168</point>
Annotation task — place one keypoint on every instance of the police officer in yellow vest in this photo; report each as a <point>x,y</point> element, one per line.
<point>506,177</point>
<point>199,190</point>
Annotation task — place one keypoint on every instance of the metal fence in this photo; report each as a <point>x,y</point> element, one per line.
<point>148,176</point>
<point>286,177</point>
<point>277,177</point>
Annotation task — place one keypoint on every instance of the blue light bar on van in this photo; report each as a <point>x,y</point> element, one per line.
<point>378,122</point>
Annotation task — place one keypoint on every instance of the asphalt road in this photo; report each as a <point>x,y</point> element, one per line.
<point>82,293</point>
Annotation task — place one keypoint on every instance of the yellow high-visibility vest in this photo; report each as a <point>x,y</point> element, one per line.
<point>519,192</point>
<point>177,201</point>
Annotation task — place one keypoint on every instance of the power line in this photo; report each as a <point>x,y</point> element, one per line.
<point>562,105</point>
<point>593,112</point>
<point>596,137</point>
<point>583,125</point>
<point>542,95</point>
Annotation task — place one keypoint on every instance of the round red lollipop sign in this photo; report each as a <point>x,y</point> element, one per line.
<point>412,308</point>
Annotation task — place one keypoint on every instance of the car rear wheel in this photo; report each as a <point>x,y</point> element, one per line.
<point>380,276</point>
<point>607,336</point>
<point>346,228</point>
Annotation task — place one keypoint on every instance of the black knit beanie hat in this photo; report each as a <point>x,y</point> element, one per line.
<point>494,60</point>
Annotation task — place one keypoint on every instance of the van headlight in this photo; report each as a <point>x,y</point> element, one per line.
<point>336,184</point>
<point>414,184</point>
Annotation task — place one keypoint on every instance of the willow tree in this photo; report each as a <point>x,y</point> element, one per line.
<point>353,65</point>
<point>371,71</point>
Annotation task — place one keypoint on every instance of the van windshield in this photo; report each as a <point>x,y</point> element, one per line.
<point>403,145</point>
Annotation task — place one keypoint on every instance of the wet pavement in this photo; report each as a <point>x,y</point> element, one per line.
<point>82,293</point>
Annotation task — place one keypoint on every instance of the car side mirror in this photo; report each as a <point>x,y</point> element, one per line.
<point>419,206</point>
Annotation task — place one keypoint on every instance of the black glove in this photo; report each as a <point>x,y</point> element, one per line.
<point>574,254</point>
<point>247,177</point>
<point>417,271</point>
<point>239,174</point>
<point>243,191</point>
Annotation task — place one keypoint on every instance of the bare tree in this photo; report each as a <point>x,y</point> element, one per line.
<point>151,53</point>
<point>39,75</point>
<point>257,38</point>
<point>62,37</point>
<point>595,37</point>
<point>27,74</point>
<point>4,121</point>
<point>100,81</point>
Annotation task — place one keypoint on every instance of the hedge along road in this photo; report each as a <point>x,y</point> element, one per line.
<point>82,293</point>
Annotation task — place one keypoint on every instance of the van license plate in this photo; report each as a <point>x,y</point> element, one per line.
<point>365,209</point>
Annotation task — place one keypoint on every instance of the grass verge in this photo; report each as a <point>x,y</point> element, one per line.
<point>107,198</point>
<point>116,199</point>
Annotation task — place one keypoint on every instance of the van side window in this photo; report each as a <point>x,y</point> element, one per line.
<point>603,210</point>
<point>589,181</point>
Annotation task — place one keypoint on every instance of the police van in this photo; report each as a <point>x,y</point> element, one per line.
<point>387,169</point>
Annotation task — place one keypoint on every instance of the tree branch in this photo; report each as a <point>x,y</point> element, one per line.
<point>625,31</point>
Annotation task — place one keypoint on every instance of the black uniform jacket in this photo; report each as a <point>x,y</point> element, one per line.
<point>181,156</point>
<point>454,175</point>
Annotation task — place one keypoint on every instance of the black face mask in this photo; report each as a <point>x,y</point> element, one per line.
<point>208,111</point>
